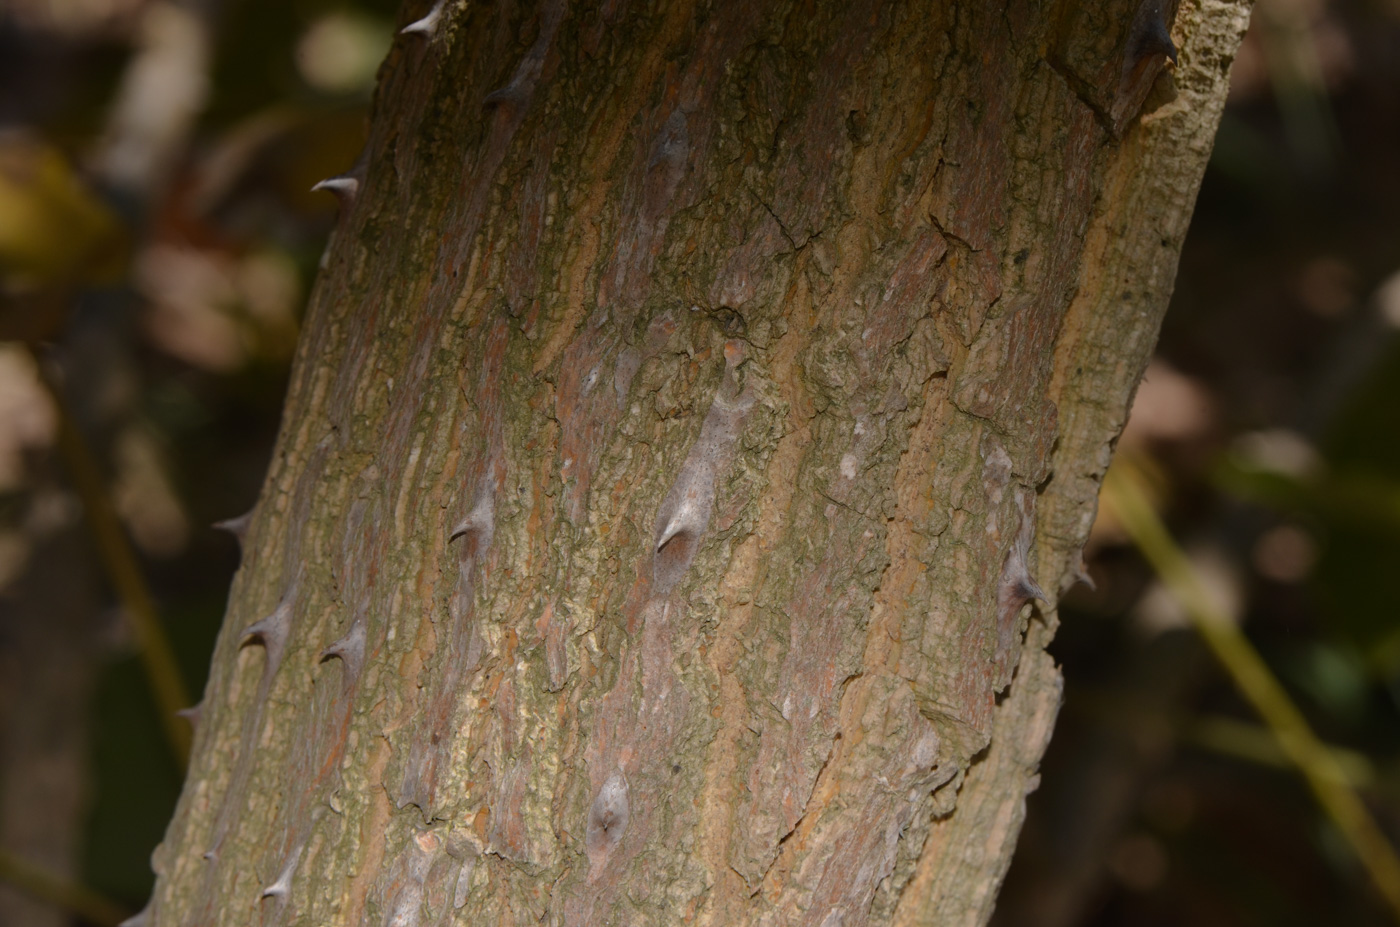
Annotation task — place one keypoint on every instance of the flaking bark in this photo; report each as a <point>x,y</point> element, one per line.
<point>694,400</point>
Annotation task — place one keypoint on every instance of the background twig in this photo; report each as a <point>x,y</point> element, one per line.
<point>1327,777</point>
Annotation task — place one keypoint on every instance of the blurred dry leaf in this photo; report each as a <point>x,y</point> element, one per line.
<point>215,310</point>
<point>1277,450</point>
<point>27,416</point>
<point>145,497</point>
<point>1169,406</point>
<point>189,290</point>
<point>1160,610</point>
<point>162,92</point>
<point>51,510</point>
<point>53,230</point>
<point>74,18</point>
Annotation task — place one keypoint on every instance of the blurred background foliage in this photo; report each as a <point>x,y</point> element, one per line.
<point>158,239</point>
<point>157,244</point>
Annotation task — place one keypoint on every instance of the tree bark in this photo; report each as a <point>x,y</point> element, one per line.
<point>692,397</point>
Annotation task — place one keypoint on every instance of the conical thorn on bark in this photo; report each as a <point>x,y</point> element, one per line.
<point>192,714</point>
<point>342,185</point>
<point>607,818</point>
<point>349,649</point>
<point>238,527</point>
<point>1150,34</point>
<point>428,25</point>
<point>271,632</point>
<point>346,187</point>
<point>282,887</point>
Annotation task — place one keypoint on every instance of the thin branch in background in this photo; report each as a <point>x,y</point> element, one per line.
<point>1123,492</point>
<point>122,568</point>
<point>1254,744</point>
<point>60,892</point>
<point>1240,740</point>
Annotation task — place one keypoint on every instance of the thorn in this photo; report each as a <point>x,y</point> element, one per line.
<point>687,514</point>
<point>238,527</point>
<point>283,886</point>
<point>192,714</point>
<point>344,186</point>
<point>1148,35</point>
<point>350,649</point>
<point>1079,572</point>
<point>428,25</point>
<point>1029,589</point>
<point>1017,586</point>
<point>607,818</point>
<point>271,631</point>
<point>482,518</point>
<point>1153,38</point>
<point>685,511</point>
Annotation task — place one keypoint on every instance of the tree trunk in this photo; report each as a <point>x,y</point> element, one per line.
<point>691,398</point>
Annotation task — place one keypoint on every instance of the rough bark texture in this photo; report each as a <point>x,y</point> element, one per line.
<point>692,397</point>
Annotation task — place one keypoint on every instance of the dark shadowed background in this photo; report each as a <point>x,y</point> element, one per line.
<point>157,243</point>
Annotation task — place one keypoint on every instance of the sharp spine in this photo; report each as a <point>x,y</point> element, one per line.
<point>349,649</point>
<point>428,25</point>
<point>192,714</point>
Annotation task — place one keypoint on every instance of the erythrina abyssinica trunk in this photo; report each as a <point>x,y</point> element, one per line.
<point>698,412</point>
